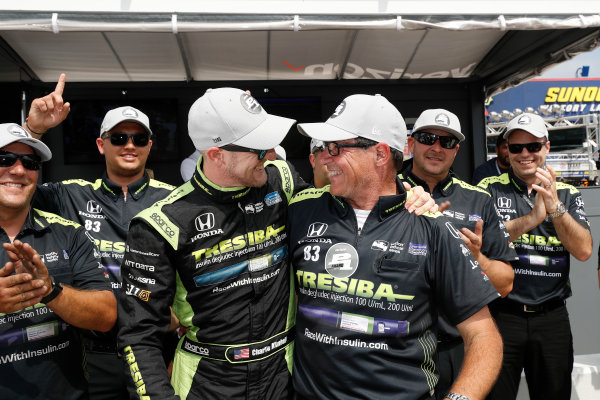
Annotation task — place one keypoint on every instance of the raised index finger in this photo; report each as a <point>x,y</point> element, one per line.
<point>60,85</point>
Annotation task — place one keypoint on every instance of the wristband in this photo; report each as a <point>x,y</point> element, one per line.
<point>456,396</point>
<point>56,289</point>
<point>31,130</point>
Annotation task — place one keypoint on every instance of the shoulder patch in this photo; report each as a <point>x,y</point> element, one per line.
<point>82,182</point>
<point>287,182</point>
<point>485,182</point>
<point>55,219</point>
<point>159,220</point>
<point>310,193</point>
<point>565,186</point>
<point>161,185</point>
<point>467,186</point>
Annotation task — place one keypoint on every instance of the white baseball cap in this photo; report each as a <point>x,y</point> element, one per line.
<point>314,143</point>
<point>231,116</point>
<point>124,114</point>
<point>11,133</point>
<point>360,115</point>
<point>527,122</point>
<point>438,118</point>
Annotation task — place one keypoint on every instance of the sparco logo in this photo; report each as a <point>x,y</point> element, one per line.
<point>205,222</point>
<point>203,351</point>
<point>93,207</point>
<point>250,104</point>
<point>316,229</point>
<point>504,202</point>
<point>162,224</point>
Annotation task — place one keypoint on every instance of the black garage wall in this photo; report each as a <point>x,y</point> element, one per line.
<point>304,101</point>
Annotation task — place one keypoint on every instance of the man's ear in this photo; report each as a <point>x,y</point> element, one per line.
<point>214,155</point>
<point>383,153</point>
<point>100,144</point>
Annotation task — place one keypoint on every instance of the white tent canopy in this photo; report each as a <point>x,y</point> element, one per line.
<point>137,46</point>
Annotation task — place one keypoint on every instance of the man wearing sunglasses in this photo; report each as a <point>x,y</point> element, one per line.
<point>51,283</point>
<point>547,222</point>
<point>371,277</point>
<point>104,207</point>
<point>434,144</point>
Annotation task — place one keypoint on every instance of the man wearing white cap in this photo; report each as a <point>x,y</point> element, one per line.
<point>547,223</point>
<point>434,144</point>
<point>320,174</point>
<point>372,276</point>
<point>216,249</point>
<point>51,283</point>
<point>104,207</point>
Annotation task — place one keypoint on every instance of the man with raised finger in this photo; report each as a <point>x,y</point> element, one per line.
<point>55,266</point>
<point>104,208</point>
<point>547,222</point>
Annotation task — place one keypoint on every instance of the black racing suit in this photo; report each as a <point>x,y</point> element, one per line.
<point>102,209</point>
<point>41,356</point>
<point>368,299</point>
<point>219,255</point>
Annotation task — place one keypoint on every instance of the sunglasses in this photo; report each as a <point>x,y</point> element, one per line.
<point>334,148</point>
<point>30,161</point>
<point>260,153</point>
<point>121,138</point>
<point>429,139</point>
<point>533,147</point>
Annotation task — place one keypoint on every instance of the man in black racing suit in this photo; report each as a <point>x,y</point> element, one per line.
<point>216,249</point>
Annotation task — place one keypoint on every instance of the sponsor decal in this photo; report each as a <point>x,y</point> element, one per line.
<point>579,201</point>
<point>205,222</point>
<point>449,213</point>
<point>134,370</point>
<point>251,208</point>
<point>109,246</point>
<point>93,207</point>
<point>538,240</point>
<point>162,224</point>
<point>142,279</point>
<point>464,249</point>
<point>474,264</point>
<point>51,257</point>
<point>144,253</point>
<point>453,230</point>
<point>250,104</point>
<point>66,255</point>
<point>341,260</point>
<point>272,198</point>
<point>239,354</point>
<point>196,349</point>
<point>138,265</point>
<point>135,291</point>
<point>380,245</point>
<point>316,229</point>
<point>349,286</point>
<point>417,249</point>
<point>504,202</point>
<point>397,247</point>
<point>474,217</point>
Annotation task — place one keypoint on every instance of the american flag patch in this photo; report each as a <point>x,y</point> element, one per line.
<point>242,353</point>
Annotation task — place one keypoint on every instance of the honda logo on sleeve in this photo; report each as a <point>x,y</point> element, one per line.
<point>316,229</point>
<point>504,202</point>
<point>205,222</point>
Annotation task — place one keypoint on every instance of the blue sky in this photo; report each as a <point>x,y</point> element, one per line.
<point>573,67</point>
